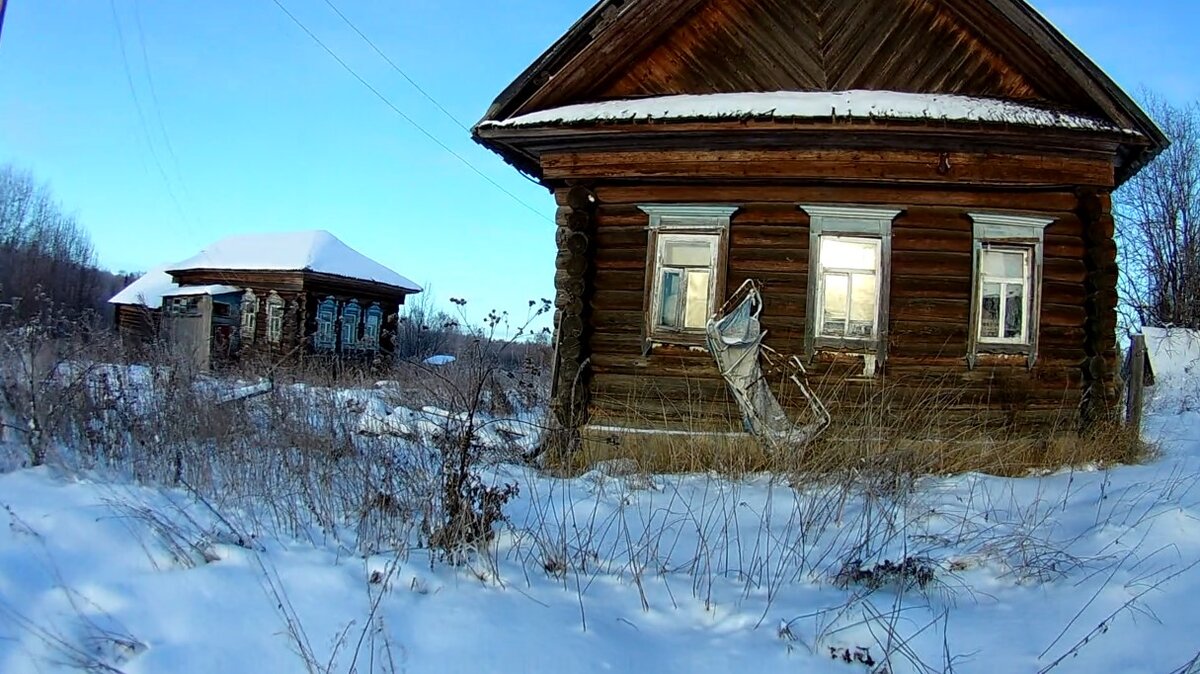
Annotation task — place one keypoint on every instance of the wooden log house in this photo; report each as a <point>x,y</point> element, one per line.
<point>281,296</point>
<point>921,187</point>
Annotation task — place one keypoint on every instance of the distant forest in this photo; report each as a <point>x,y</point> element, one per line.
<point>46,256</point>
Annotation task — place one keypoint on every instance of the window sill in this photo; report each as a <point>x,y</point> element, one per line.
<point>697,338</point>
<point>985,348</point>
<point>857,346</point>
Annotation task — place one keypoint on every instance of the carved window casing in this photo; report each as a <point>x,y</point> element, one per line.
<point>372,327</point>
<point>685,270</point>
<point>249,316</point>
<point>1006,297</point>
<point>849,276</point>
<point>275,310</point>
<point>351,322</point>
<point>325,338</point>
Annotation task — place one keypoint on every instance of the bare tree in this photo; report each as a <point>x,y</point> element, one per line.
<point>423,330</point>
<point>1159,230</point>
<point>45,252</point>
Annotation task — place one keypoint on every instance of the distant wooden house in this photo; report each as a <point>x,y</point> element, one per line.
<point>282,295</point>
<point>922,188</point>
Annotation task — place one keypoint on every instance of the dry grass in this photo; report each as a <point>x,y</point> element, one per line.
<point>934,429</point>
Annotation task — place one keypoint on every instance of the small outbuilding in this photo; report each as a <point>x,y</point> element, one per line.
<point>920,188</point>
<point>281,295</point>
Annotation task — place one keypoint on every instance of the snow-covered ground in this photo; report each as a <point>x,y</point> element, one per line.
<point>1077,571</point>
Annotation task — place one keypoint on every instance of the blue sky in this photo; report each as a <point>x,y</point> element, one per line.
<point>249,126</point>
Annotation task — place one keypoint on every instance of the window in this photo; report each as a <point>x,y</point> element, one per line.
<point>373,326</point>
<point>351,319</point>
<point>685,274</point>
<point>249,316</point>
<point>849,254</point>
<point>184,306</point>
<point>1004,281</point>
<point>848,294</point>
<point>326,337</point>
<point>1007,284</point>
<point>275,307</point>
<point>685,270</point>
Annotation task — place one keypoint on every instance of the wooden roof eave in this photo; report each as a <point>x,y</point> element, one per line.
<point>524,146</point>
<point>512,154</point>
<point>304,275</point>
<point>374,288</point>
<point>1113,100</point>
<point>566,46</point>
<point>593,36</point>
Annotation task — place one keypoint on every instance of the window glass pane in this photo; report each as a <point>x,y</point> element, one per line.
<point>691,252</point>
<point>862,305</point>
<point>1014,312</point>
<point>837,289</point>
<point>669,299</point>
<point>989,311</point>
<point>842,253</point>
<point>1003,264</point>
<point>696,312</point>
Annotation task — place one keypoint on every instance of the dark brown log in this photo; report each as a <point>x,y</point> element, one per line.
<point>581,198</point>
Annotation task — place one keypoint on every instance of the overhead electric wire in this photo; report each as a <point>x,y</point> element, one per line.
<point>162,127</point>
<point>428,96</point>
<point>137,104</point>
<point>403,115</point>
<point>395,67</point>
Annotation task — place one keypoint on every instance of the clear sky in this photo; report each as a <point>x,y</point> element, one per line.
<point>223,117</point>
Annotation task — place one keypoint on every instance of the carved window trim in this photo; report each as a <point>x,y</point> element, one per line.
<point>848,221</point>
<point>351,322</point>
<point>249,316</point>
<point>1006,231</point>
<point>325,338</point>
<point>673,222</point>
<point>275,310</point>
<point>372,327</point>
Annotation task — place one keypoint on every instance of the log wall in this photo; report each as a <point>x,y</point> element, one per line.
<point>931,293</point>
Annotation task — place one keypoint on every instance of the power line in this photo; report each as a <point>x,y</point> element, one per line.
<point>137,104</point>
<point>405,75</point>
<point>395,67</point>
<point>402,114</point>
<point>162,127</point>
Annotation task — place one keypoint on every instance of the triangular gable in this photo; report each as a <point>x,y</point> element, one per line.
<point>815,45</point>
<point>985,48</point>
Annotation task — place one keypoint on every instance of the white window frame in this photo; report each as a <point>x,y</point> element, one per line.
<point>275,311</point>
<point>681,222</point>
<point>349,333</point>
<point>372,327</point>
<point>325,337</point>
<point>822,277</point>
<point>850,222</point>
<point>1007,232</point>
<point>249,316</point>
<point>1025,281</point>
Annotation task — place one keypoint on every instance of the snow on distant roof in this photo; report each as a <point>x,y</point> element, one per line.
<point>183,291</point>
<point>154,285</point>
<point>316,251</point>
<point>1174,353</point>
<point>147,290</point>
<point>810,104</point>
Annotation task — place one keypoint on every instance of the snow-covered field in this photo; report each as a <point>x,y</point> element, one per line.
<point>1077,571</point>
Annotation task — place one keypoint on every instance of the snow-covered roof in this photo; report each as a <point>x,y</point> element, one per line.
<point>1174,353</point>
<point>861,104</point>
<point>147,290</point>
<point>187,291</point>
<point>315,250</point>
<point>154,285</point>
